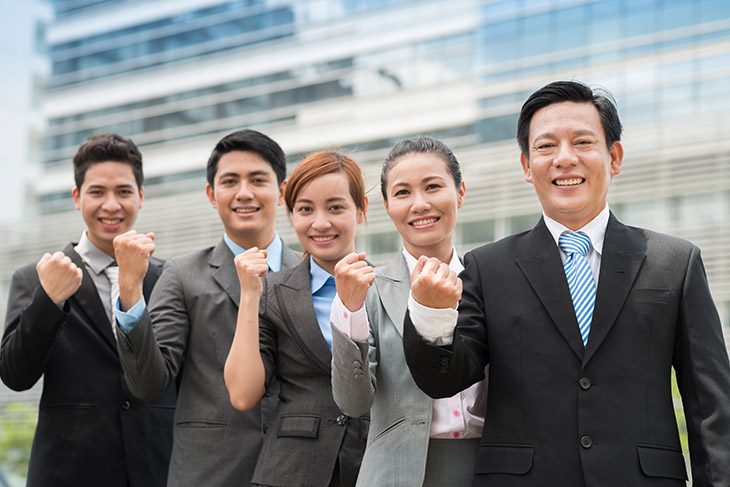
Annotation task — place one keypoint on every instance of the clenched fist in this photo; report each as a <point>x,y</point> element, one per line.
<point>60,278</point>
<point>132,251</point>
<point>353,278</point>
<point>251,266</point>
<point>434,285</point>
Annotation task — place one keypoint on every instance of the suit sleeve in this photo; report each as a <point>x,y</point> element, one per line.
<point>152,352</point>
<point>703,376</point>
<point>443,371</point>
<point>32,324</point>
<point>268,336</point>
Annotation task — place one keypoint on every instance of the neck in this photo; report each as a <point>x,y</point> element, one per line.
<point>442,251</point>
<point>326,265</point>
<point>260,240</point>
<point>106,247</point>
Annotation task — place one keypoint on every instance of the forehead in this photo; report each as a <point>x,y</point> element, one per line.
<point>565,118</point>
<point>327,186</point>
<point>242,162</point>
<point>416,166</point>
<point>108,174</point>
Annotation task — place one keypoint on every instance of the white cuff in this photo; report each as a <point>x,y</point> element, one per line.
<point>353,324</point>
<point>435,325</point>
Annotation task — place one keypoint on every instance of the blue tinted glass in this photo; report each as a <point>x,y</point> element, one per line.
<point>640,17</point>
<point>710,10</point>
<point>604,22</point>
<point>571,28</point>
<point>676,13</point>
<point>536,34</point>
<point>498,42</point>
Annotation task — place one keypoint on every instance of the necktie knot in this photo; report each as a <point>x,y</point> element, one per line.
<point>575,243</point>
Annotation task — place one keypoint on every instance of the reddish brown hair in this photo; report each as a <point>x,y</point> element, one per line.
<point>320,164</point>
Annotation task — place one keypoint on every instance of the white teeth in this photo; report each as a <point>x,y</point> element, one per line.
<point>568,182</point>
<point>246,210</point>
<point>427,221</point>
<point>323,239</point>
<point>109,221</point>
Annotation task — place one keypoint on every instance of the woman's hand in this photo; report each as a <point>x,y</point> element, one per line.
<point>353,278</point>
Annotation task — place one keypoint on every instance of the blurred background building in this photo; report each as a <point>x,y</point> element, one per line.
<point>176,75</point>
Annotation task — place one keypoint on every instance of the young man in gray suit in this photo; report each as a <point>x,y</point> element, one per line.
<point>582,320</point>
<point>185,333</point>
<point>91,430</point>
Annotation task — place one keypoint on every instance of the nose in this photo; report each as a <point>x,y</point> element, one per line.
<point>111,202</point>
<point>420,202</point>
<point>321,221</point>
<point>566,155</point>
<point>244,192</point>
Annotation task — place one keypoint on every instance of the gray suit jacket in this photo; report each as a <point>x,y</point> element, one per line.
<point>401,413</point>
<point>185,336</point>
<point>559,414</point>
<point>308,433</point>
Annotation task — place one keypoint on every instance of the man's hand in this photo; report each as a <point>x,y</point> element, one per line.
<point>434,285</point>
<point>353,277</point>
<point>60,278</point>
<point>251,266</point>
<point>132,251</point>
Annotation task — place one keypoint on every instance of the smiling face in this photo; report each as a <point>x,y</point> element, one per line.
<point>246,195</point>
<point>109,200</point>
<point>325,219</point>
<point>423,201</point>
<point>569,164</point>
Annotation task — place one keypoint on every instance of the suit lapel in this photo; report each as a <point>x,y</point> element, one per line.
<point>295,301</point>
<point>393,294</point>
<point>624,252</point>
<point>289,258</point>
<point>224,272</point>
<point>87,296</point>
<point>543,268</point>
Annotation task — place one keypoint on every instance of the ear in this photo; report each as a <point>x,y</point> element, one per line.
<point>211,195</point>
<point>526,167</point>
<point>361,212</point>
<point>617,157</point>
<point>141,197</point>
<point>75,194</point>
<point>460,197</point>
<point>282,190</point>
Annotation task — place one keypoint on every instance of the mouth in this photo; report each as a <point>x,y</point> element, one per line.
<point>245,211</point>
<point>424,222</point>
<point>110,222</point>
<point>323,239</point>
<point>568,181</point>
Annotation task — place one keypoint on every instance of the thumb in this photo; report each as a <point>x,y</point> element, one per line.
<point>151,236</point>
<point>418,267</point>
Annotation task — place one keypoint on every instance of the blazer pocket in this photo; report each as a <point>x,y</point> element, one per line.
<point>388,429</point>
<point>300,426</point>
<point>650,295</point>
<point>504,458</point>
<point>200,424</point>
<point>662,461</point>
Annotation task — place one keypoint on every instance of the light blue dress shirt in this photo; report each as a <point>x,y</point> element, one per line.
<point>323,293</point>
<point>127,320</point>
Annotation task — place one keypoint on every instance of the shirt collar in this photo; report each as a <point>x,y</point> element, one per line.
<point>454,264</point>
<point>318,277</point>
<point>595,229</point>
<point>273,251</point>
<point>93,256</point>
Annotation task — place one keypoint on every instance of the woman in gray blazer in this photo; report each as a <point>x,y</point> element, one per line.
<point>414,440</point>
<point>283,330</point>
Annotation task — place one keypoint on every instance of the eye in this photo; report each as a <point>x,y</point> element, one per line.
<point>227,181</point>
<point>337,208</point>
<point>545,146</point>
<point>304,209</point>
<point>432,186</point>
<point>401,192</point>
<point>259,181</point>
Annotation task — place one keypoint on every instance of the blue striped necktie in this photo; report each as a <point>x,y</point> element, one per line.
<point>580,279</point>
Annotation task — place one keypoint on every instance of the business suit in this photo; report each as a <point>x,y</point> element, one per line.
<point>308,434</point>
<point>185,336</point>
<point>401,413</point>
<point>603,416</point>
<point>91,430</point>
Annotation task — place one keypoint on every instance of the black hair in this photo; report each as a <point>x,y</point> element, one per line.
<point>105,147</point>
<point>420,144</point>
<point>248,140</point>
<point>572,91</point>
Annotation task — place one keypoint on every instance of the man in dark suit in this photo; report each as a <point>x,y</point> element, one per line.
<point>91,430</point>
<point>581,320</point>
<point>187,331</point>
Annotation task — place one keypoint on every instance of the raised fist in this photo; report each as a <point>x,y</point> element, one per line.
<point>132,251</point>
<point>60,278</point>
<point>251,266</point>
<point>353,278</point>
<point>434,285</point>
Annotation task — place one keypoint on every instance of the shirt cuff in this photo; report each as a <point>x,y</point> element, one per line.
<point>435,325</point>
<point>127,319</point>
<point>353,324</point>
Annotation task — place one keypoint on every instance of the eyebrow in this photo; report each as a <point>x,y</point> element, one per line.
<point>248,174</point>
<point>328,200</point>
<point>577,133</point>
<point>424,180</point>
<point>101,186</point>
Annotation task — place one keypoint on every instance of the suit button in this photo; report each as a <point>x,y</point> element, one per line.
<point>357,364</point>
<point>586,441</point>
<point>585,383</point>
<point>126,405</point>
<point>341,420</point>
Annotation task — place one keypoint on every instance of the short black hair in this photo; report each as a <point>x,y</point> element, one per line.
<point>248,140</point>
<point>105,147</point>
<point>573,91</point>
<point>420,144</point>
